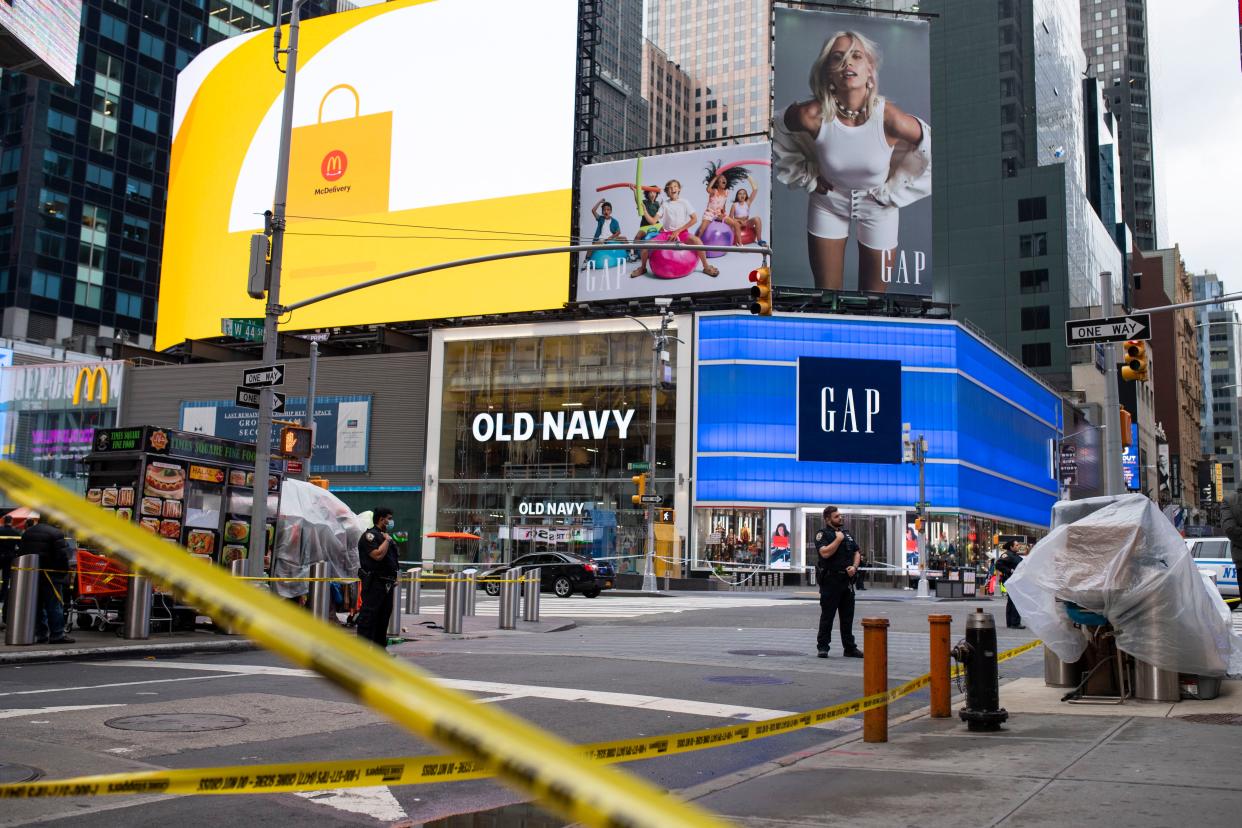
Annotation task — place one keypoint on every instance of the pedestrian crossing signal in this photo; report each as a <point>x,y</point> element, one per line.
<point>295,441</point>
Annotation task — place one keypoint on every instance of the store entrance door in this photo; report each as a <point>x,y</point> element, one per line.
<point>874,534</point>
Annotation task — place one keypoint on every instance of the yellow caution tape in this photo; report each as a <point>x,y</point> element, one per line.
<point>520,754</point>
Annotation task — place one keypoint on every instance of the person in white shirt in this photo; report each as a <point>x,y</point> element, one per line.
<point>677,217</point>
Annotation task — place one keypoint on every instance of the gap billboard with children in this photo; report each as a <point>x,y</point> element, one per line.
<point>715,196</point>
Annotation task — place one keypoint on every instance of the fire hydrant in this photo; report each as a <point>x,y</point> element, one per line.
<point>977,655</point>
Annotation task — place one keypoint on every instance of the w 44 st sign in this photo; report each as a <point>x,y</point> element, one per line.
<point>1108,329</point>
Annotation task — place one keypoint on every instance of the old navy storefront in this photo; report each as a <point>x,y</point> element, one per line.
<point>795,413</point>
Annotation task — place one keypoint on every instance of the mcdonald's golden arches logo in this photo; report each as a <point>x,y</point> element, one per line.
<point>94,377</point>
<point>333,165</point>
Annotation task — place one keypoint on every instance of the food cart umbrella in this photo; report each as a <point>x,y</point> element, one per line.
<point>453,535</point>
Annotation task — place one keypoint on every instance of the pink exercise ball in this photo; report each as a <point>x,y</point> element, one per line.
<point>671,264</point>
<point>717,232</point>
<point>747,236</point>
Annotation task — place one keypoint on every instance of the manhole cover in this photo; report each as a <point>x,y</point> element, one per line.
<point>766,652</point>
<point>745,680</point>
<point>18,773</point>
<point>176,722</point>
<point>1214,718</point>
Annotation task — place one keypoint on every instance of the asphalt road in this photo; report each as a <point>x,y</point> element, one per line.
<point>683,669</point>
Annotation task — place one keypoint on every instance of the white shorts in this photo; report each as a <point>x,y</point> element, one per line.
<point>828,216</point>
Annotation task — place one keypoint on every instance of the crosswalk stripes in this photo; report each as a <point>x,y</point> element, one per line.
<point>622,606</point>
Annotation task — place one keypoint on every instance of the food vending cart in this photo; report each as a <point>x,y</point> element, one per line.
<point>190,488</point>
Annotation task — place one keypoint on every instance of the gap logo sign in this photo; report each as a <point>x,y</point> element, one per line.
<point>849,410</point>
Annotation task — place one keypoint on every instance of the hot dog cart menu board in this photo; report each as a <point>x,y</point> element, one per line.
<point>189,488</point>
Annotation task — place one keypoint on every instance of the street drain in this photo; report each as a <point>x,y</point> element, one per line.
<point>766,652</point>
<point>1213,718</point>
<point>11,774</point>
<point>176,722</point>
<point>747,680</point>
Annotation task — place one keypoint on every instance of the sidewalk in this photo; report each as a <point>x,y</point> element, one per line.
<point>1136,764</point>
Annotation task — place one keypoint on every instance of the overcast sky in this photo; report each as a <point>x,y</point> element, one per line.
<point>1197,101</point>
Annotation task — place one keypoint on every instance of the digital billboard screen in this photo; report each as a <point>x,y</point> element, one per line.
<point>424,131</point>
<point>40,38</point>
<point>851,153</point>
<point>716,196</point>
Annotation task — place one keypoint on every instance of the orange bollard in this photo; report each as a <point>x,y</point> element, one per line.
<point>875,677</point>
<point>940,660</point>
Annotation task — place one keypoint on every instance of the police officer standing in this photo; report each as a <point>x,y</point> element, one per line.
<point>377,561</point>
<point>839,559</point>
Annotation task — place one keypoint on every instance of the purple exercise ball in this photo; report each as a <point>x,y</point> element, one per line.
<point>717,233</point>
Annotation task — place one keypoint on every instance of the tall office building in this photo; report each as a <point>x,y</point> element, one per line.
<point>1217,326</point>
<point>84,168</point>
<point>1018,245</point>
<point>1114,38</point>
<point>621,123</point>
<point>669,92</point>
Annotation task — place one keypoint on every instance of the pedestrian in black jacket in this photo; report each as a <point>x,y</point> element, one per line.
<point>9,537</point>
<point>50,545</point>
<point>1006,563</point>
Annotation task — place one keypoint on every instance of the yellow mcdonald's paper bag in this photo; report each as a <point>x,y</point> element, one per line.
<point>340,168</point>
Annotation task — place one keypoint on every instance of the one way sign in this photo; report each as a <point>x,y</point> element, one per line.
<point>1111,329</point>
<point>250,397</point>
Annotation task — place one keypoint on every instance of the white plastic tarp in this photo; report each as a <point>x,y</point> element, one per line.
<point>315,525</point>
<point>1125,561</point>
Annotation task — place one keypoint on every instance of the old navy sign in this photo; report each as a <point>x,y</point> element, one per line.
<point>552,425</point>
<point>849,410</point>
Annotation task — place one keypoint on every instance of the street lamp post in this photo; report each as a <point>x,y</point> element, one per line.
<point>659,346</point>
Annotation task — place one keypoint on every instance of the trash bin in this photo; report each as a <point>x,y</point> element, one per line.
<point>1153,684</point>
<point>1058,673</point>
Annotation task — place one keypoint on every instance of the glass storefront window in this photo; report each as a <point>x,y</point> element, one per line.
<point>731,538</point>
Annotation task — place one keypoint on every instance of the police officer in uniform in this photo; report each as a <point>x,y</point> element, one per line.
<point>839,559</point>
<point>377,561</point>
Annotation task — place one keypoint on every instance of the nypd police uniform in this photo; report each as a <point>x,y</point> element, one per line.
<point>836,589</point>
<point>378,581</point>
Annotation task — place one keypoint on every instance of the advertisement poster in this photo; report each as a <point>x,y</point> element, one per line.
<point>713,196</point>
<point>1130,460</point>
<point>342,427</point>
<point>851,153</point>
<point>406,152</point>
<point>849,410</point>
<point>780,541</point>
<point>912,551</point>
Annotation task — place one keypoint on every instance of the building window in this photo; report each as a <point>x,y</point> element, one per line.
<point>62,123</point>
<point>1034,281</point>
<point>1037,355</point>
<point>149,81</point>
<point>147,119</point>
<point>1036,318</point>
<point>136,229</point>
<point>1032,209</point>
<point>90,296</point>
<point>99,176</point>
<point>133,266</point>
<point>48,243</point>
<point>45,284</point>
<point>10,160</point>
<point>129,304</point>
<point>151,46</point>
<point>8,199</point>
<point>53,204</point>
<point>138,190</point>
<point>111,28</point>
<point>1032,244</point>
<point>56,164</point>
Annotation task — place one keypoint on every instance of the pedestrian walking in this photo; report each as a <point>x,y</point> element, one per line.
<point>839,558</point>
<point>1006,563</point>
<point>9,538</point>
<point>378,567</point>
<point>50,545</point>
<point>1231,521</point>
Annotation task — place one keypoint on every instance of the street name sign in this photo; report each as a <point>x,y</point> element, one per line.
<point>266,376</point>
<point>639,466</point>
<point>249,398</point>
<point>1109,329</point>
<point>652,498</point>
<point>249,329</point>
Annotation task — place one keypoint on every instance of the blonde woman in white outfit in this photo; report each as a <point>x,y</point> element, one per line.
<point>860,157</point>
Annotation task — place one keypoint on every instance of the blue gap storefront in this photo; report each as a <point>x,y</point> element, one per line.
<point>758,494</point>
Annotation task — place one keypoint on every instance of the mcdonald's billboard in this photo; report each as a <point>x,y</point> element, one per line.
<point>424,131</point>
<point>61,385</point>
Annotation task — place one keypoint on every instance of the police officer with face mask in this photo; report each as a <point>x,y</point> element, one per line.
<point>378,568</point>
<point>838,560</point>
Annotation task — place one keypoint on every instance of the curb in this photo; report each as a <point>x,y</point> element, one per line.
<point>125,650</point>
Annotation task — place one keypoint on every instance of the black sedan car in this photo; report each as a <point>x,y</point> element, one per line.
<point>560,572</point>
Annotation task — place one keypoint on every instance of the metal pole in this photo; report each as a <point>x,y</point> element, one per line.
<point>320,591</point>
<point>471,591</point>
<point>394,615</point>
<point>510,604</point>
<point>263,436</point>
<point>659,343</point>
<point>530,606</point>
<point>413,590</point>
<point>940,660</point>
<point>1113,481</point>
<point>454,596</point>
<point>920,457</point>
<point>875,677</point>
<point>308,419</point>
<point>237,569</point>
<point>138,609</point>
<point>23,600</point>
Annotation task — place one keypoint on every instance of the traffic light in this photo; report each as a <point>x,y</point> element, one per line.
<point>761,293</point>
<point>1134,361</point>
<point>640,483</point>
<point>1126,421</point>
<point>295,441</point>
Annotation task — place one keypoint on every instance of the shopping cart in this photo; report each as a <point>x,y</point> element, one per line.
<point>98,602</point>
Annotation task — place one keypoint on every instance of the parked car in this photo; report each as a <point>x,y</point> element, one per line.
<point>561,573</point>
<point>1213,554</point>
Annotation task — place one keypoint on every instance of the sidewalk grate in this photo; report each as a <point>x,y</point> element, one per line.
<point>762,653</point>
<point>177,722</point>
<point>11,773</point>
<point>1213,718</point>
<point>744,681</point>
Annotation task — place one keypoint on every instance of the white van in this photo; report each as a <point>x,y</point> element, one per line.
<point>1213,554</point>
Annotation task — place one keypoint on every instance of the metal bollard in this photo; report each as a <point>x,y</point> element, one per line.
<point>472,592</point>
<point>875,677</point>
<point>940,661</point>
<point>510,602</point>
<point>413,590</point>
<point>530,609</point>
<point>138,609</point>
<point>454,598</point>
<point>237,569</point>
<point>23,601</point>
<point>394,615</point>
<point>320,600</point>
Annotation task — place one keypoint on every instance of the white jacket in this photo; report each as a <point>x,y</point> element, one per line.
<point>909,174</point>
